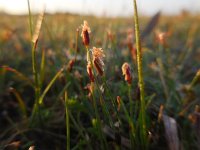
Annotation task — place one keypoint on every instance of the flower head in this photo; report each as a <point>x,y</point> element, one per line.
<point>98,55</point>
<point>126,71</point>
<point>90,73</point>
<point>85,33</point>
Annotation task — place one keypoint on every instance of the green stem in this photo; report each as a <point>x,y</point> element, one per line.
<point>99,126</point>
<point>76,48</point>
<point>140,77</point>
<point>30,19</point>
<point>194,80</point>
<point>114,104</point>
<point>159,61</point>
<point>34,68</point>
<point>162,78</point>
<point>131,124</point>
<point>130,101</point>
<point>104,105</point>
<point>41,98</point>
<point>80,130</point>
<point>35,71</point>
<point>67,123</point>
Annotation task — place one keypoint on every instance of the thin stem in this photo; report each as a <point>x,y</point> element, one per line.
<point>130,101</point>
<point>80,129</point>
<point>131,124</point>
<point>101,96</point>
<point>161,71</point>
<point>30,19</point>
<point>41,98</point>
<point>76,48</point>
<point>36,83</point>
<point>104,105</point>
<point>34,68</point>
<point>99,126</point>
<point>112,100</point>
<point>140,77</point>
<point>67,123</point>
<point>194,80</point>
<point>42,68</point>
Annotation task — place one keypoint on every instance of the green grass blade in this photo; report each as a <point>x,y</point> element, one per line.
<point>42,68</point>
<point>30,19</point>
<point>143,130</point>
<point>67,122</point>
<point>49,86</point>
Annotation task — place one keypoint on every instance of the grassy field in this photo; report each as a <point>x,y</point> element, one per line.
<point>60,106</point>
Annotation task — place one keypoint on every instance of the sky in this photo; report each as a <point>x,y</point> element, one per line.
<point>101,7</point>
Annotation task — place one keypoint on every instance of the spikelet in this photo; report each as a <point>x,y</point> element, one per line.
<point>98,55</point>
<point>85,33</point>
<point>89,71</point>
<point>126,71</point>
<point>38,27</point>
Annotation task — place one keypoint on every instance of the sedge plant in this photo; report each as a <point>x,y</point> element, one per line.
<point>90,70</point>
<point>38,74</point>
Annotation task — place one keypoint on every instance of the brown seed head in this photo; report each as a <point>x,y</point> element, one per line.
<point>37,28</point>
<point>90,73</point>
<point>126,71</point>
<point>98,55</point>
<point>85,33</point>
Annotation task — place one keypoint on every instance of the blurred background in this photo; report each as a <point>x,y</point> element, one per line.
<point>111,8</point>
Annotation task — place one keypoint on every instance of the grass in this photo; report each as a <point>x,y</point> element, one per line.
<point>66,114</point>
<point>142,115</point>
